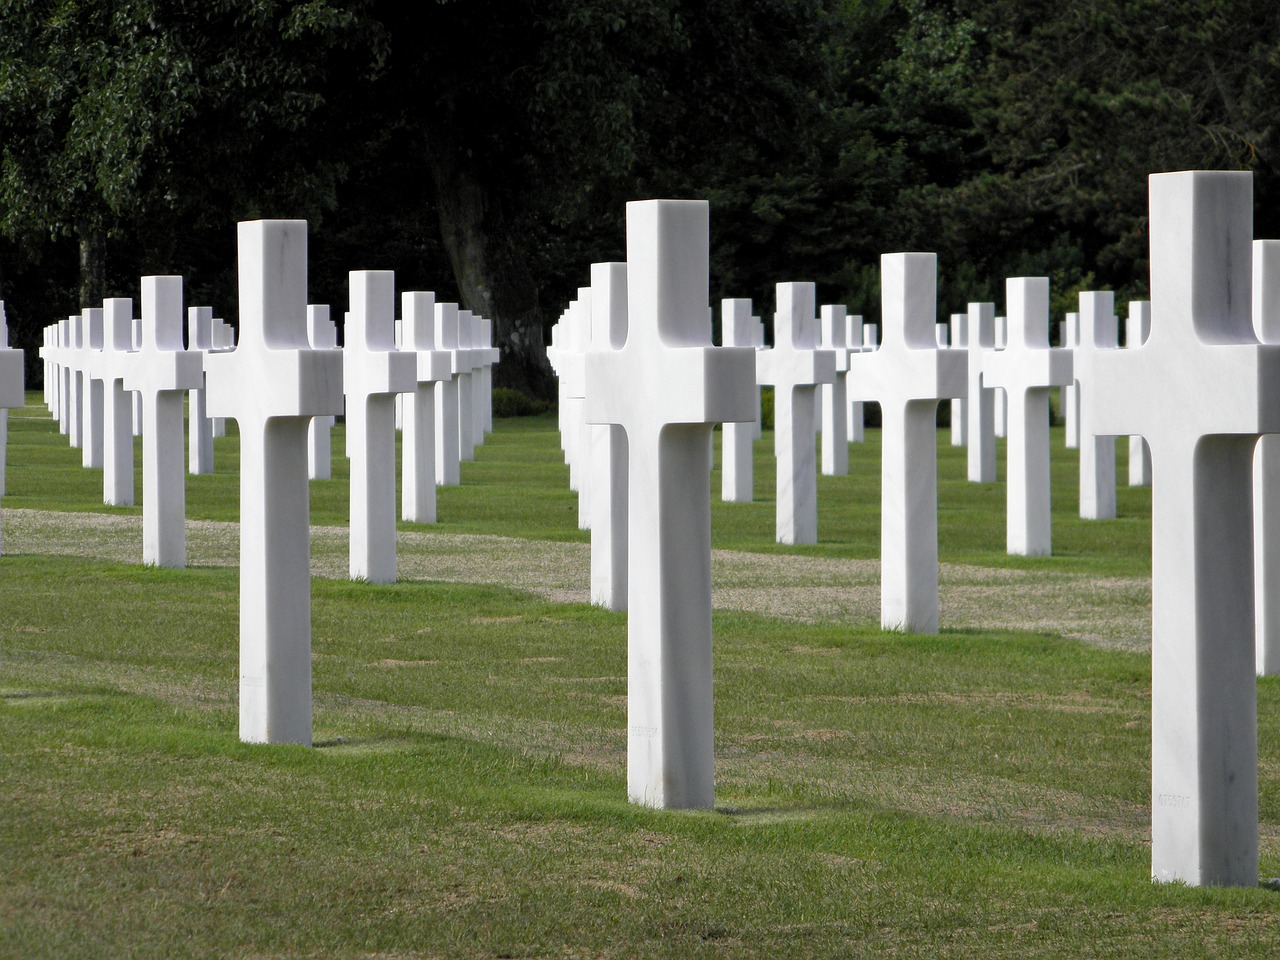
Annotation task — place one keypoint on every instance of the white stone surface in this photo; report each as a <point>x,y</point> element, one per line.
<point>908,376</point>
<point>959,408</point>
<point>161,371</point>
<point>322,334</point>
<point>1071,396</point>
<point>11,387</point>
<point>833,328</point>
<point>448,469</point>
<point>1137,328</point>
<point>272,384</point>
<point>373,372</point>
<point>224,338</point>
<point>794,367</point>
<point>490,356</point>
<point>1098,332</point>
<point>574,342</point>
<point>75,397</point>
<point>91,391</point>
<point>666,387</point>
<point>609,467</point>
<point>418,439</point>
<point>980,405</point>
<point>1266,471</point>
<point>1216,393</point>
<point>1025,369</point>
<point>854,336</point>
<point>199,426</point>
<point>465,366</point>
<point>137,397</point>
<point>111,367</point>
<point>737,469</point>
<point>1001,398</point>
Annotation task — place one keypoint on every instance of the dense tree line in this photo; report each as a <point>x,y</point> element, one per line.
<point>485,148</point>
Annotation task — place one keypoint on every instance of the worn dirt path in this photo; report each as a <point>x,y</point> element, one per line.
<point>1114,611</point>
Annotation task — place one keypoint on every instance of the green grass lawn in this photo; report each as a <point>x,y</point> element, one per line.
<point>972,794</point>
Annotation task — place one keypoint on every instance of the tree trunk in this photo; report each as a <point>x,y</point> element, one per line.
<point>492,270</point>
<point>93,266</point>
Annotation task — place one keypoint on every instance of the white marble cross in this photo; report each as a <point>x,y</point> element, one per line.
<point>272,384</point>
<point>137,396</point>
<point>490,356</point>
<point>1001,408</point>
<point>835,395</point>
<point>737,473</point>
<point>855,339</point>
<point>1026,369</point>
<point>667,386</point>
<point>794,367</point>
<point>980,406</point>
<point>199,426</point>
<point>373,372</point>
<point>466,364</point>
<point>75,360</point>
<point>1098,333</point>
<point>908,375</point>
<point>608,449</point>
<point>1217,389</point>
<point>111,367</point>
<point>418,408</point>
<point>91,391</point>
<point>575,341</point>
<point>448,469</point>
<point>224,338</point>
<point>1266,471</point>
<point>1070,395</point>
<point>11,389</point>
<point>322,334</point>
<point>959,408</point>
<point>1137,328</point>
<point>161,371</point>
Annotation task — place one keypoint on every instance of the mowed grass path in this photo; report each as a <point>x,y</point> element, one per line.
<point>970,794</point>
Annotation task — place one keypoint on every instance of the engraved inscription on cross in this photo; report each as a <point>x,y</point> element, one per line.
<point>908,375</point>
<point>666,387</point>
<point>272,384</point>
<point>1203,360</point>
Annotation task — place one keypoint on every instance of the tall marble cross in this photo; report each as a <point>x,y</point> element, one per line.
<point>373,372</point>
<point>11,387</point>
<point>667,386</point>
<point>448,468</point>
<point>737,474</point>
<point>91,391</point>
<point>980,406</point>
<point>608,449</point>
<point>111,367</point>
<point>855,333</point>
<point>1070,395</point>
<point>1026,369</point>
<point>795,367</point>
<point>272,384</point>
<point>908,375</point>
<point>1099,334</point>
<point>322,334</point>
<point>1266,471</point>
<point>835,395</point>
<point>1137,328</point>
<point>199,426</point>
<point>466,365</point>
<point>161,371</point>
<point>75,368</point>
<point>959,340</point>
<point>418,409</point>
<point>1224,385</point>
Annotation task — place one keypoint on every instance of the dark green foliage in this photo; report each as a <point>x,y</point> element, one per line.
<point>512,403</point>
<point>485,150</point>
